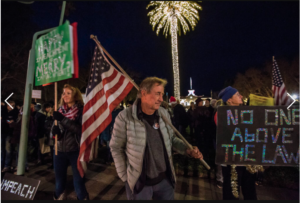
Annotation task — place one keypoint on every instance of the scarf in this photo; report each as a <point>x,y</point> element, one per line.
<point>71,113</point>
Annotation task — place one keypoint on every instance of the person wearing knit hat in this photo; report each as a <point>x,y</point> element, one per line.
<point>231,96</point>
<point>246,180</point>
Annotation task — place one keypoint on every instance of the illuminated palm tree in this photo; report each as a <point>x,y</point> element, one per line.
<point>174,16</point>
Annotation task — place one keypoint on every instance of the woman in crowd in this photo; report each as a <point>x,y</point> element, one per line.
<point>246,179</point>
<point>68,130</point>
<point>50,141</point>
<point>40,118</point>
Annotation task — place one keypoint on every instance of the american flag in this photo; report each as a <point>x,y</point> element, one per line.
<point>106,88</point>
<point>278,87</point>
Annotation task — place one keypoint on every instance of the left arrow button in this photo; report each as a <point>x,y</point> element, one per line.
<point>7,99</point>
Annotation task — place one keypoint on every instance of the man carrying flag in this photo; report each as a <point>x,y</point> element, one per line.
<point>142,144</point>
<point>106,88</point>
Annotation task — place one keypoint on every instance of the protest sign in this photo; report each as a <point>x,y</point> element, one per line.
<point>15,187</point>
<point>258,135</point>
<point>56,55</point>
<point>36,94</point>
<point>260,101</point>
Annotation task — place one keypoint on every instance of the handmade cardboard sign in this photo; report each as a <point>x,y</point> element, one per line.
<point>15,187</point>
<point>56,55</point>
<point>258,135</point>
<point>260,101</point>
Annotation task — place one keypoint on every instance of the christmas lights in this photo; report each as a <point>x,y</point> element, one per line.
<point>174,16</point>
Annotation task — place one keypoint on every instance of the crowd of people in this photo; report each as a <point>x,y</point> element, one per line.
<point>139,141</point>
<point>11,122</point>
<point>199,118</point>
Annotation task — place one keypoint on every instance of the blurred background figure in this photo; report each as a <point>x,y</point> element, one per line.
<point>180,119</point>
<point>213,103</point>
<point>165,105</point>
<point>192,119</point>
<point>6,135</point>
<point>40,118</point>
<point>50,141</point>
<point>130,103</point>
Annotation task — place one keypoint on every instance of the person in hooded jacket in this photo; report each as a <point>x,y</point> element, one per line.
<point>68,130</point>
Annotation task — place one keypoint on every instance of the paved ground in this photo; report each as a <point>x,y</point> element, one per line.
<point>103,183</point>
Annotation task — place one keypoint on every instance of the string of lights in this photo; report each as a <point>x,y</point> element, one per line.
<point>174,16</point>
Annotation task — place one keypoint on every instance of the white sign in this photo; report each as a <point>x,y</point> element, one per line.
<point>14,187</point>
<point>36,94</point>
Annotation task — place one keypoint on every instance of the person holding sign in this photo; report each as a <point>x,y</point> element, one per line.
<point>68,129</point>
<point>231,97</point>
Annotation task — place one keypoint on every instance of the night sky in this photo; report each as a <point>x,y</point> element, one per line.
<point>229,38</point>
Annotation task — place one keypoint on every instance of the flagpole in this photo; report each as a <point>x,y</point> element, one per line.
<point>137,87</point>
<point>111,58</point>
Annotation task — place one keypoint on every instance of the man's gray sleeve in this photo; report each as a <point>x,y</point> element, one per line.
<point>117,146</point>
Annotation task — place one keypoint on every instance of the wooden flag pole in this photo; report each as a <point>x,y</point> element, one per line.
<point>137,87</point>
<point>113,60</point>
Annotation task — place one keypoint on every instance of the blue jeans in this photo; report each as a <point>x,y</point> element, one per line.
<point>161,191</point>
<point>61,161</point>
<point>6,151</point>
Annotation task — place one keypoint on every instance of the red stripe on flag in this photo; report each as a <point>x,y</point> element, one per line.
<point>93,136</point>
<point>99,94</point>
<point>75,50</point>
<point>99,112</point>
<point>96,132</point>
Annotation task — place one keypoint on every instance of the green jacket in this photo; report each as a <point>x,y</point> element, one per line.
<point>128,144</point>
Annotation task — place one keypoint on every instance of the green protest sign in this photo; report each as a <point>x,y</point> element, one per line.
<point>54,55</point>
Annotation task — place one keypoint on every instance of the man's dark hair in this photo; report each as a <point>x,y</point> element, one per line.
<point>19,103</point>
<point>32,102</point>
<point>46,105</point>
<point>51,103</point>
<point>207,100</point>
<point>198,101</point>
